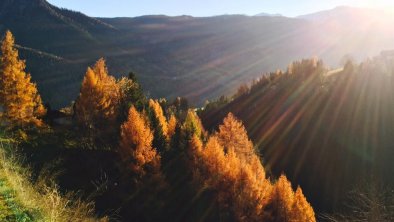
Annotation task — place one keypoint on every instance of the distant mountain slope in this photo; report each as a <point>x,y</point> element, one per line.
<point>41,25</point>
<point>268,14</point>
<point>200,58</point>
<point>346,14</point>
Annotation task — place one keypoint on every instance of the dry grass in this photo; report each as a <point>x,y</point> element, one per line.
<point>42,198</point>
<point>368,203</point>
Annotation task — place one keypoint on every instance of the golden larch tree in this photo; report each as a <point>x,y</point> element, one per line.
<point>195,151</point>
<point>171,126</point>
<point>98,103</point>
<point>285,205</point>
<point>87,106</point>
<point>232,135</point>
<point>240,184</point>
<point>251,194</point>
<point>19,99</point>
<point>239,180</point>
<point>280,200</point>
<point>238,188</point>
<point>136,145</point>
<point>302,210</point>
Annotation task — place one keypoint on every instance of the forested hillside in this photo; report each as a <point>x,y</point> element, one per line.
<point>159,118</point>
<point>130,157</point>
<point>329,130</point>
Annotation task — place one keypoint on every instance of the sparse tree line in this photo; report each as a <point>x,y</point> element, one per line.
<point>153,136</point>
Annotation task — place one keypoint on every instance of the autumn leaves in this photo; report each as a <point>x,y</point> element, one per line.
<point>20,102</point>
<point>98,102</point>
<point>136,145</point>
<point>228,164</point>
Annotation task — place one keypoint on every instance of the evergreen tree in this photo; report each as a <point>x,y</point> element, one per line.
<point>19,99</point>
<point>192,126</point>
<point>131,95</point>
<point>158,114</point>
<point>159,126</point>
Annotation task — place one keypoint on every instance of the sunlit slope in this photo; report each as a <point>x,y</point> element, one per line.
<point>329,132</point>
<point>355,33</point>
<point>200,58</point>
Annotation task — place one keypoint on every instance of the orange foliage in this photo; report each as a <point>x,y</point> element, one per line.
<point>301,210</point>
<point>285,205</point>
<point>19,99</point>
<point>238,187</point>
<point>195,155</point>
<point>136,145</point>
<point>281,200</point>
<point>232,135</point>
<point>171,126</point>
<point>239,180</point>
<point>98,101</point>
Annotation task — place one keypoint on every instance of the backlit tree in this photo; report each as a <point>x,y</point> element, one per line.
<point>136,145</point>
<point>172,122</point>
<point>301,209</point>
<point>19,99</point>
<point>232,135</point>
<point>159,115</point>
<point>131,95</point>
<point>280,201</point>
<point>98,103</point>
<point>159,126</point>
<point>239,182</point>
<point>192,125</point>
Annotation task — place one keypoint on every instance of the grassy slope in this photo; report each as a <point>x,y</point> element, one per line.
<point>10,208</point>
<point>21,200</point>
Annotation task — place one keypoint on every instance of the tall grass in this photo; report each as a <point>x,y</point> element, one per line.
<point>42,198</point>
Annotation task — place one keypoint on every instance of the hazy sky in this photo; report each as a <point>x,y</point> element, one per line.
<point>131,8</point>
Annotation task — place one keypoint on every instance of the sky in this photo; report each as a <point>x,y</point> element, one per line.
<point>132,8</point>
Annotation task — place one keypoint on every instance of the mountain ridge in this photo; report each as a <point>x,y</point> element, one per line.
<point>212,56</point>
<point>18,8</point>
<point>268,14</point>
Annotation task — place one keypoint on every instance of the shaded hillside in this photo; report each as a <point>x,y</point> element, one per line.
<point>44,30</point>
<point>199,58</point>
<point>330,133</point>
<point>42,26</point>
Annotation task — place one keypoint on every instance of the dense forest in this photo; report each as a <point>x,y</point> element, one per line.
<point>134,157</point>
